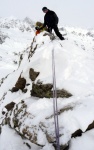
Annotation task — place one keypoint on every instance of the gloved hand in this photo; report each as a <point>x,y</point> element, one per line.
<point>37,28</point>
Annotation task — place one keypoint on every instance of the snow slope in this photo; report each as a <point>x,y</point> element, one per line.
<point>74,60</point>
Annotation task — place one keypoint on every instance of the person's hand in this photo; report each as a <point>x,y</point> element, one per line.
<point>37,28</point>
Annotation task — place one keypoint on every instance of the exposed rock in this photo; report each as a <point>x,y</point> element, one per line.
<point>7,121</point>
<point>3,112</point>
<point>45,90</point>
<point>91,126</point>
<point>32,74</point>
<point>62,147</point>
<point>41,90</point>
<point>2,37</point>
<point>63,93</point>
<point>77,133</point>
<point>16,122</point>
<point>10,106</point>
<point>49,138</point>
<point>14,89</point>
<point>24,90</point>
<point>90,34</point>
<point>27,84</point>
<point>19,117</point>
<point>67,108</point>
<point>28,145</point>
<point>52,37</point>
<point>20,83</point>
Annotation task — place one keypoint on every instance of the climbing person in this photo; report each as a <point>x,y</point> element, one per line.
<point>51,21</point>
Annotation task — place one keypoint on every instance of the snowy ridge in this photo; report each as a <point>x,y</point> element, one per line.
<point>32,116</point>
<point>24,25</point>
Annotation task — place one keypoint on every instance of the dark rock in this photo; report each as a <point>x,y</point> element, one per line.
<point>62,147</point>
<point>45,90</point>
<point>91,126</point>
<point>27,84</point>
<point>28,145</point>
<point>63,93</point>
<point>3,112</point>
<point>24,90</point>
<point>32,74</point>
<point>22,101</point>
<point>14,89</point>
<point>20,83</point>
<point>77,133</point>
<point>10,106</point>
<point>41,90</point>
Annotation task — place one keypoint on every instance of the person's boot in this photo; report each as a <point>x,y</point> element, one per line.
<point>62,38</point>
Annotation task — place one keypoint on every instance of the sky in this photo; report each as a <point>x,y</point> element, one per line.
<point>78,13</point>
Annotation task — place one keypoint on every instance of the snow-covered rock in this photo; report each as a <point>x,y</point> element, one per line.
<point>32,117</point>
<point>24,25</point>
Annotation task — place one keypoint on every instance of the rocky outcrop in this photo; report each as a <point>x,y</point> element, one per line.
<point>10,106</point>
<point>45,90</point>
<point>40,90</point>
<point>20,84</point>
<point>14,89</point>
<point>2,37</point>
<point>23,25</point>
<point>17,117</point>
<point>33,74</point>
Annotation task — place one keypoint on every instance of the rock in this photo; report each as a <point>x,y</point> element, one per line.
<point>49,138</point>
<point>32,74</point>
<point>77,133</point>
<point>62,147</point>
<point>52,36</point>
<point>10,106</point>
<point>45,90</point>
<point>20,83</point>
<point>24,90</point>
<point>27,84</point>
<point>3,112</point>
<point>41,90</point>
<point>91,126</point>
<point>7,121</point>
<point>14,89</point>
<point>16,122</point>
<point>63,93</point>
<point>28,145</point>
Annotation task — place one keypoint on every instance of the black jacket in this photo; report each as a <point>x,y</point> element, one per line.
<point>50,19</point>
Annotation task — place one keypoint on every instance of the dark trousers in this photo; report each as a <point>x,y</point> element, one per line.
<point>56,30</point>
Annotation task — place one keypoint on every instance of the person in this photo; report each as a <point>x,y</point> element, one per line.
<point>38,25</point>
<point>51,21</point>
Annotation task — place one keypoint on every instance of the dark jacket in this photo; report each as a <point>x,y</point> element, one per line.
<point>50,19</point>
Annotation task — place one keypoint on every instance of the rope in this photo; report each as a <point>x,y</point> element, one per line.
<point>55,103</point>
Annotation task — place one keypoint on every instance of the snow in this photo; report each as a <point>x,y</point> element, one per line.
<point>10,140</point>
<point>74,63</point>
<point>84,142</point>
<point>11,49</point>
